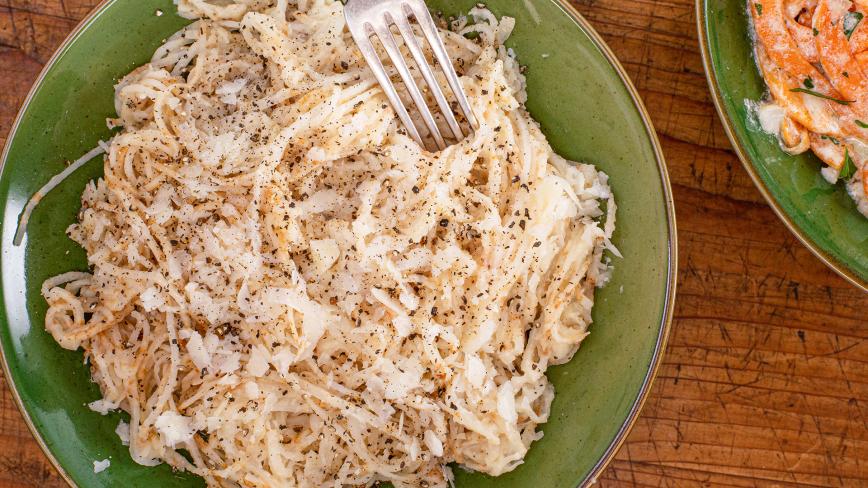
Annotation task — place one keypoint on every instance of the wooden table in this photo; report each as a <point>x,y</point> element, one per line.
<point>766,378</point>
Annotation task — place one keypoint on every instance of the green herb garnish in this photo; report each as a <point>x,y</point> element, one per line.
<point>831,139</point>
<point>809,83</point>
<point>816,32</point>
<point>849,168</point>
<point>851,21</point>
<point>820,95</point>
<point>861,124</point>
<point>759,8</point>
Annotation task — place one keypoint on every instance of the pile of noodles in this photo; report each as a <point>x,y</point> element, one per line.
<point>286,290</point>
<point>813,55</point>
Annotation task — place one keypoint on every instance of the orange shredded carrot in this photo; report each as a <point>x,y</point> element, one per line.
<point>782,49</point>
<point>841,68</point>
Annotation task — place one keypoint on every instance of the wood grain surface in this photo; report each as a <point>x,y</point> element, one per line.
<point>765,382</point>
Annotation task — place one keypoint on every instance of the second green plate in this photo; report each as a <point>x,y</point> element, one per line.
<point>821,215</point>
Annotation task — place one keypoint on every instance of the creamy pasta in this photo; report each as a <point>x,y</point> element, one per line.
<point>813,55</point>
<point>286,290</point>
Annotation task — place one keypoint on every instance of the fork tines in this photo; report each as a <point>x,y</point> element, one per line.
<point>368,18</point>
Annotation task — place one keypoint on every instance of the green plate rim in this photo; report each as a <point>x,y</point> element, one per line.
<point>672,274</point>
<point>711,77</point>
<point>672,251</point>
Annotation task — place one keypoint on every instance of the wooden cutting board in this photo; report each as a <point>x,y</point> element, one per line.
<point>766,378</point>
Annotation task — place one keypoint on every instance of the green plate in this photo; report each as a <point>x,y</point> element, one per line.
<point>586,107</point>
<point>821,215</point>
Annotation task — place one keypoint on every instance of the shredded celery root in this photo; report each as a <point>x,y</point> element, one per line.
<point>288,288</point>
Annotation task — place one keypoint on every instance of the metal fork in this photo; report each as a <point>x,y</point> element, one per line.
<point>368,18</point>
